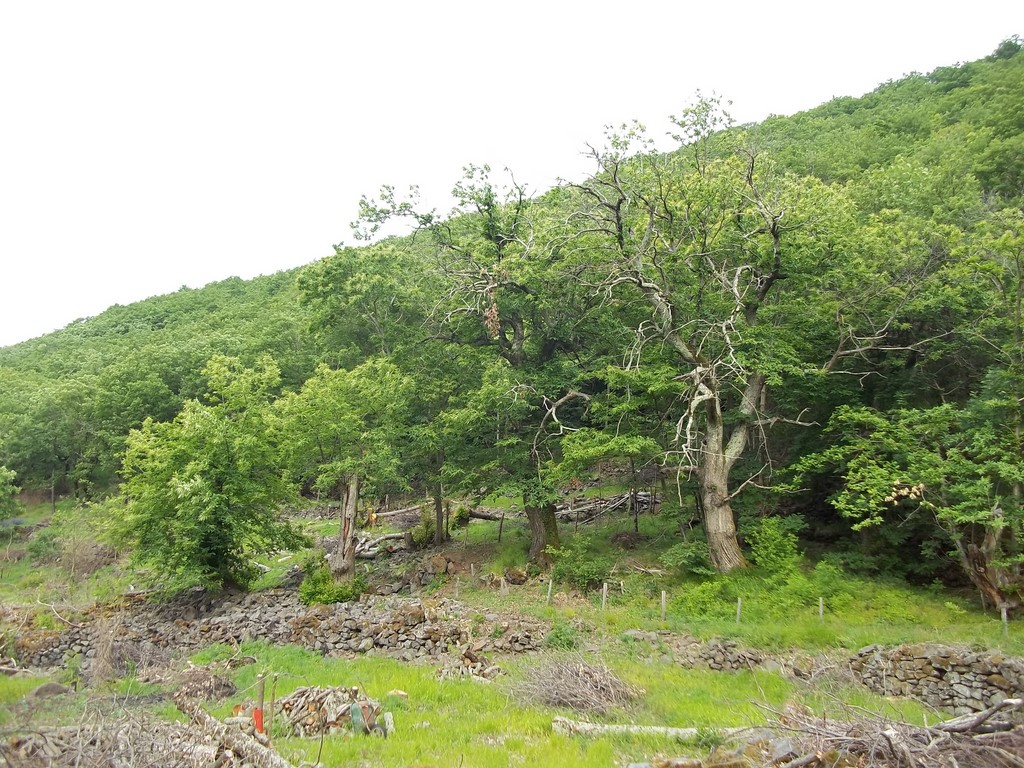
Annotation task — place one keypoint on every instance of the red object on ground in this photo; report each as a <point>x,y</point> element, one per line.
<point>257,717</point>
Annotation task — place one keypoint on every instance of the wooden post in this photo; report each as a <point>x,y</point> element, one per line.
<point>821,610</point>
<point>257,715</point>
<point>1006,620</point>
<point>273,701</point>
<point>551,585</point>
<point>604,596</point>
<point>504,587</point>
<point>501,525</point>
<point>456,587</point>
<point>472,570</point>
<point>739,608</point>
<point>663,605</point>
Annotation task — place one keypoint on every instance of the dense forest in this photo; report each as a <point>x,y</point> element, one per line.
<point>815,319</point>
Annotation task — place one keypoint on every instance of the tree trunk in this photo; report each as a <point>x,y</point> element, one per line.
<point>543,533</point>
<point>345,557</point>
<point>721,530</point>
<point>440,532</point>
<point>713,484</point>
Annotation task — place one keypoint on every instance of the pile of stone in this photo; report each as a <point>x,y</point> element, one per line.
<point>470,663</point>
<point>719,654</point>
<point>403,628</point>
<point>944,677</point>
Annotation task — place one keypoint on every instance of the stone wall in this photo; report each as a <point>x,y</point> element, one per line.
<point>140,633</point>
<point>944,677</point>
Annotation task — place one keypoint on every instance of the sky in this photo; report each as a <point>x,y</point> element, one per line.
<point>145,146</point>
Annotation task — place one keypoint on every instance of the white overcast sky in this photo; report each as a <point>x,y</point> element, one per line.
<point>149,145</point>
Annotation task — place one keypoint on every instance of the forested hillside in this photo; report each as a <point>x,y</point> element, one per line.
<point>817,318</point>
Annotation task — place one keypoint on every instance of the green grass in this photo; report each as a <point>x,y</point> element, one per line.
<point>466,723</point>
<point>461,722</point>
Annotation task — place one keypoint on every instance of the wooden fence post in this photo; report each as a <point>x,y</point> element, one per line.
<point>663,605</point>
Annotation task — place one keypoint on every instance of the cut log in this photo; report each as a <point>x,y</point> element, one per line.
<point>476,514</point>
<point>569,727</point>
<point>404,510</point>
<point>237,741</point>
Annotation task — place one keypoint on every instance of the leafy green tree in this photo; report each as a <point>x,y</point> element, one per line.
<point>723,250</point>
<point>958,465</point>
<point>342,433</point>
<point>8,493</point>
<point>202,492</point>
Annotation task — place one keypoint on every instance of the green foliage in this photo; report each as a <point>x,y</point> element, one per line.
<point>689,557</point>
<point>202,492</point>
<point>773,545</point>
<point>423,532</point>
<point>8,491</point>
<point>44,547</point>
<point>319,587</point>
<point>562,637</point>
<point>460,517</point>
<point>582,569</point>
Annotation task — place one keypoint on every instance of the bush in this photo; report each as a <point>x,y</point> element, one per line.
<point>423,532</point>
<point>318,586</point>
<point>44,547</point>
<point>690,557</point>
<point>773,545</point>
<point>460,517</point>
<point>708,599</point>
<point>578,568</point>
<point>563,637</point>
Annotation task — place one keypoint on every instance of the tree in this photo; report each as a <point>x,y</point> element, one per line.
<point>500,294</point>
<point>8,493</point>
<point>959,465</point>
<point>342,434</point>
<point>723,250</point>
<point>202,492</point>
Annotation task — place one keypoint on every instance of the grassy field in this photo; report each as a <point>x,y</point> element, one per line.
<point>466,723</point>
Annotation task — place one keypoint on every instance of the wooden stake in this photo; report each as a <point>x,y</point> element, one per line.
<point>821,610</point>
<point>604,596</point>
<point>456,587</point>
<point>504,587</point>
<point>501,525</point>
<point>551,585</point>
<point>472,571</point>
<point>663,605</point>
<point>273,699</point>
<point>1006,620</point>
<point>257,715</point>
<point>739,608</point>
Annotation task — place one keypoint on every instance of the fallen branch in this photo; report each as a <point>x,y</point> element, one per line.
<point>402,511</point>
<point>477,515</point>
<point>237,741</point>
<point>974,723</point>
<point>567,727</point>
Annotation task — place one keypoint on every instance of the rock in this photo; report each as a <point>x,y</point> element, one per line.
<point>515,576</point>
<point>46,690</point>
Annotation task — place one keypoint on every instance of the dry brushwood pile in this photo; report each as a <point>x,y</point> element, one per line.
<point>990,739</point>
<point>99,741</point>
<point>310,711</point>
<point>576,685</point>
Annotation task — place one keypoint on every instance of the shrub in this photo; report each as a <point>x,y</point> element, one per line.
<point>578,568</point>
<point>460,517</point>
<point>690,557</point>
<point>319,586</point>
<point>44,547</point>
<point>423,532</point>
<point>563,637</point>
<point>706,599</point>
<point>773,544</point>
